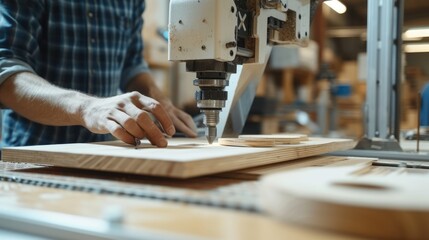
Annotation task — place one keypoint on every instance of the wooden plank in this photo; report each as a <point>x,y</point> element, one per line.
<point>277,138</point>
<point>314,161</point>
<point>240,142</point>
<point>342,199</point>
<point>183,158</point>
<point>263,140</point>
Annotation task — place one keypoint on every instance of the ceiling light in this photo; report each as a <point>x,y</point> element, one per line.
<point>416,47</point>
<point>416,33</point>
<point>336,5</point>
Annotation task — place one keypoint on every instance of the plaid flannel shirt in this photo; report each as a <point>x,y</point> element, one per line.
<point>92,46</point>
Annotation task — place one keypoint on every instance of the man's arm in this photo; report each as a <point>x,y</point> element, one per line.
<point>145,84</point>
<point>136,76</point>
<point>125,116</point>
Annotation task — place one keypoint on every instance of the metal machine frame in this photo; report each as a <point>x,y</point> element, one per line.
<point>384,49</point>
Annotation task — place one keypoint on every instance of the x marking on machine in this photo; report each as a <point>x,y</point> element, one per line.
<point>242,19</point>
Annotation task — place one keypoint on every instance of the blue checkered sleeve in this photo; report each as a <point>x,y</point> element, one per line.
<point>90,46</point>
<point>18,37</point>
<point>134,63</point>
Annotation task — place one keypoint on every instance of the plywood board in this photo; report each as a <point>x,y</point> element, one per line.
<point>238,142</point>
<point>263,140</point>
<point>183,158</point>
<point>255,173</point>
<point>278,138</point>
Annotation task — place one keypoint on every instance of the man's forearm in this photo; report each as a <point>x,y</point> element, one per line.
<point>38,100</point>
<point>125,116</point>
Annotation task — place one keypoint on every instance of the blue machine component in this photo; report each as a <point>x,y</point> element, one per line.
<point>424,107</point>
<point>342,90</point>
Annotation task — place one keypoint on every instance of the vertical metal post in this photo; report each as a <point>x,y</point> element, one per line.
<point>384,68</point>
<point>372,84</point>
<point>399,70</point>
<point>1,121</point>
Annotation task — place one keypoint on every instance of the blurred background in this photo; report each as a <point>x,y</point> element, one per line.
<point>319,89</point>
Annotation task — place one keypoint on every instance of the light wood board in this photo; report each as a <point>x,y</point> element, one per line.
<point>263,140</point>
<point>278,138</point>
<point>183,158</point>
<point>341,199</point>
<point>255,173</point>
<point>238,142</point>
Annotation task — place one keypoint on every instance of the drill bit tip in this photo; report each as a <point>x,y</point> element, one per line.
<point>211,134</point>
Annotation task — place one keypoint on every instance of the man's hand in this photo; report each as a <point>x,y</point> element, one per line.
<point>183,122</point>
<point>128,116</point>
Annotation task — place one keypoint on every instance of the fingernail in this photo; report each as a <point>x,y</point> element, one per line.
<point>163,143</point>
<point>171,131</point>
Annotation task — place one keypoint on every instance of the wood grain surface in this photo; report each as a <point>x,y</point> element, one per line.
<point>351,200</point>
<point>238,142</point>
<point>183,158</point>
<point>255,173</point>
<point>263,140</point>
<point>277,138</point>
<point>176,218</point>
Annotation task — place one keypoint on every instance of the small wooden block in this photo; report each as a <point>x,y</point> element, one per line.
<point>239,142</point>
<point>277,138</point>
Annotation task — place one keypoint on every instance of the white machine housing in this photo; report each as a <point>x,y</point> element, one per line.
<point>203,30</point>
<point>200,29</point>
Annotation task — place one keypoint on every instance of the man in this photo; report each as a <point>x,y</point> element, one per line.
<point>62,63</point>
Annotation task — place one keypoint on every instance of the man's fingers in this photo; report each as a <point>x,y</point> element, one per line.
<point>189,122</point>
<point>144,122</point>
<point>152,131</point>
<point>160,114</point>
<point>183,127</point>
<point>128,123</point>
<point>119,132</point>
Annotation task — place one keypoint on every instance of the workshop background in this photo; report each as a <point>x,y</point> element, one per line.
<point>318,90</point>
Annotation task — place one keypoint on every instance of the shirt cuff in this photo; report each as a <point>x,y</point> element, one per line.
<point>10,66</point>
<point>130,73</point>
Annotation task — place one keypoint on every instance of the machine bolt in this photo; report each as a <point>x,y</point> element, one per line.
<point>231,45</point>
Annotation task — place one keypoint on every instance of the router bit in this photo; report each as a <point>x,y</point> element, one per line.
<point>211,119</point>
<point>210,100</point>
